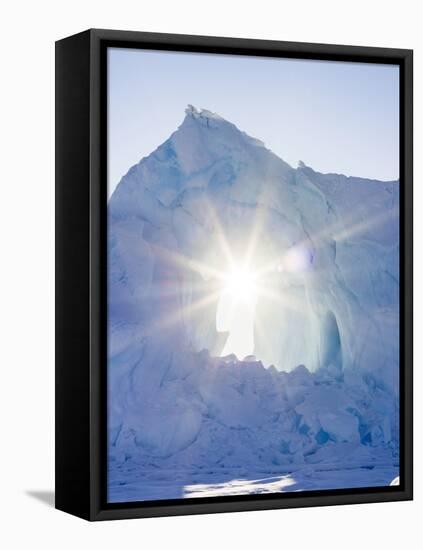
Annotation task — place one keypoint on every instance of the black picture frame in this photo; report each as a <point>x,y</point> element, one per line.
<point>81,272</point>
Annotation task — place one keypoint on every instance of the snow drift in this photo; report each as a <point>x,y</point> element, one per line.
<point>322,386</point>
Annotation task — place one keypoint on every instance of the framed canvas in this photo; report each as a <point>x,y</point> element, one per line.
<point>233,274</point>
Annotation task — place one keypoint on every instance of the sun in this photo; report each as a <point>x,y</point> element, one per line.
<point>240,284</point>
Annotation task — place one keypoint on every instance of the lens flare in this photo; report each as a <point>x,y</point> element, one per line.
<point>296,260</point>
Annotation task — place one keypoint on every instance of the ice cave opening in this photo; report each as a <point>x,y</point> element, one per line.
<point>330,342</point>
<point>235,316</point>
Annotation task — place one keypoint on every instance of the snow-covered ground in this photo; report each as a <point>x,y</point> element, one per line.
<point>317,405</point>
<point>135,484</point>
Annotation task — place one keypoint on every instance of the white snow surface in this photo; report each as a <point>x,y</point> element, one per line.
<point>318,408</point>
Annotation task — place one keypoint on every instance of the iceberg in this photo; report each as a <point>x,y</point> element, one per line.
<point>315,405</point>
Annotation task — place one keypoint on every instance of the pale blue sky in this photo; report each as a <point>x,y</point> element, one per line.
<point>336,117</point>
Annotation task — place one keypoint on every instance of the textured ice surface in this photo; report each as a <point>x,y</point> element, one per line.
<point>319,409</point>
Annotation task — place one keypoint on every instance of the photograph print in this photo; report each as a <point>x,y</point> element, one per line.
<point>253,275</point>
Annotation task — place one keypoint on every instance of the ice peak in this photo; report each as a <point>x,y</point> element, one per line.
<point>197,118</point>
<point>191,110</point>
<point>201,113</point>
